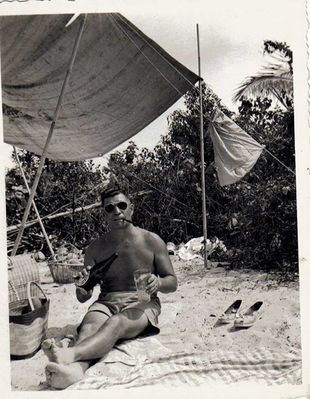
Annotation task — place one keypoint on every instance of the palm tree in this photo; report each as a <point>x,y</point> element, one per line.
<point>275,80</point>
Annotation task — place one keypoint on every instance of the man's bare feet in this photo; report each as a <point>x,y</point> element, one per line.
<point>61,376</point>
<point>58,352</point>
<point>46,347</point>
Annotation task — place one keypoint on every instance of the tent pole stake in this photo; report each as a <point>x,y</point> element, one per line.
<point>202,157</point>
<point>50,133</point>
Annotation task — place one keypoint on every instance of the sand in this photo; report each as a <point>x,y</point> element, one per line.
<point>201,297</point>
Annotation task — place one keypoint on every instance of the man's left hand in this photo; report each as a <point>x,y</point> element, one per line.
<point>153,284</point>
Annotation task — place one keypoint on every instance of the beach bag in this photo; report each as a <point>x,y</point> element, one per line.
<point>28,322</point>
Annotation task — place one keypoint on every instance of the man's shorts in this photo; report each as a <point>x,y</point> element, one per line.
<point>116,302</point>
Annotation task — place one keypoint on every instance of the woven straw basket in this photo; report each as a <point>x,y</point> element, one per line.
<point>22,269</point>
<point>28,323</point>
<point>64,272</point>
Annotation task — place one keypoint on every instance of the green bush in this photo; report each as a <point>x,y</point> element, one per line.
<point>256,217</point>
<point>63,186</point>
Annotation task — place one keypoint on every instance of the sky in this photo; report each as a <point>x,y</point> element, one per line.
<point>231,43</point>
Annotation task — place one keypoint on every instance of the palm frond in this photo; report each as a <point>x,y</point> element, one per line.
<point>275,78</point>
<point>263,85</point>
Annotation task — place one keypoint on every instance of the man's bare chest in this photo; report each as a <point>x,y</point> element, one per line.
<point>129,249</point>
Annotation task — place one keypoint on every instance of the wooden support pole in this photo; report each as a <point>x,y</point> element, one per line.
<point>50,134</point>
<point>202,157</point>
<point>34,205</point>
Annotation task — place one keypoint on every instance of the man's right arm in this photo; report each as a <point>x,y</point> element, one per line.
<point>165,279</point>
<point>81,294</point>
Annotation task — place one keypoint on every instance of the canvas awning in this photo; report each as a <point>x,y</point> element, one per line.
<point>121,81</point>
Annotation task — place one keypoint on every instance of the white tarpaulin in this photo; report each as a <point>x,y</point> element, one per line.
<point>121,81</point>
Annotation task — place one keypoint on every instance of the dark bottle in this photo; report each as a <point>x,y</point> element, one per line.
<point>95,274</point>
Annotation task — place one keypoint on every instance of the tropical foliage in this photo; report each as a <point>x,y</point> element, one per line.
<point>275,79</point>
<point>256,218</point>
<point>63,186</point>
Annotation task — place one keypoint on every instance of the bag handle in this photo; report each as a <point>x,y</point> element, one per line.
<point>10,263</point>
<point>11,284</point>
<point>29,293</point>
<point>69,246</point>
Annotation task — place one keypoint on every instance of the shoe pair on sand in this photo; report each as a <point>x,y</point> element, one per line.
<point>241,320</point>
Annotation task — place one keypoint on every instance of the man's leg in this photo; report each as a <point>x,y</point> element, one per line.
<point>92,321</point>
<point>125,325</point>
<point>61,376</point>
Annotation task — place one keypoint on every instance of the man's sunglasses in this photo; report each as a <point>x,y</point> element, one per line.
<point>120,205</point>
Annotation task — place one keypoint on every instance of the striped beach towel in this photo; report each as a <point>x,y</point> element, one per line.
<point>131,365</point>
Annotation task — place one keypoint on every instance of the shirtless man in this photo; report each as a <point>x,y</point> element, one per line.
<point>116,314</point>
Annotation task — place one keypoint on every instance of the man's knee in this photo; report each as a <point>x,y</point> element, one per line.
<point>91,324</point>
<point>128,324</point>
<point>117,324</point>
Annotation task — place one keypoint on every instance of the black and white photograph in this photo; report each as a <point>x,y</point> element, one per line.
<point>155,165</point>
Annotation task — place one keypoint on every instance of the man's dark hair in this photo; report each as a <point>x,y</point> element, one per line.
<point>111,192</point>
